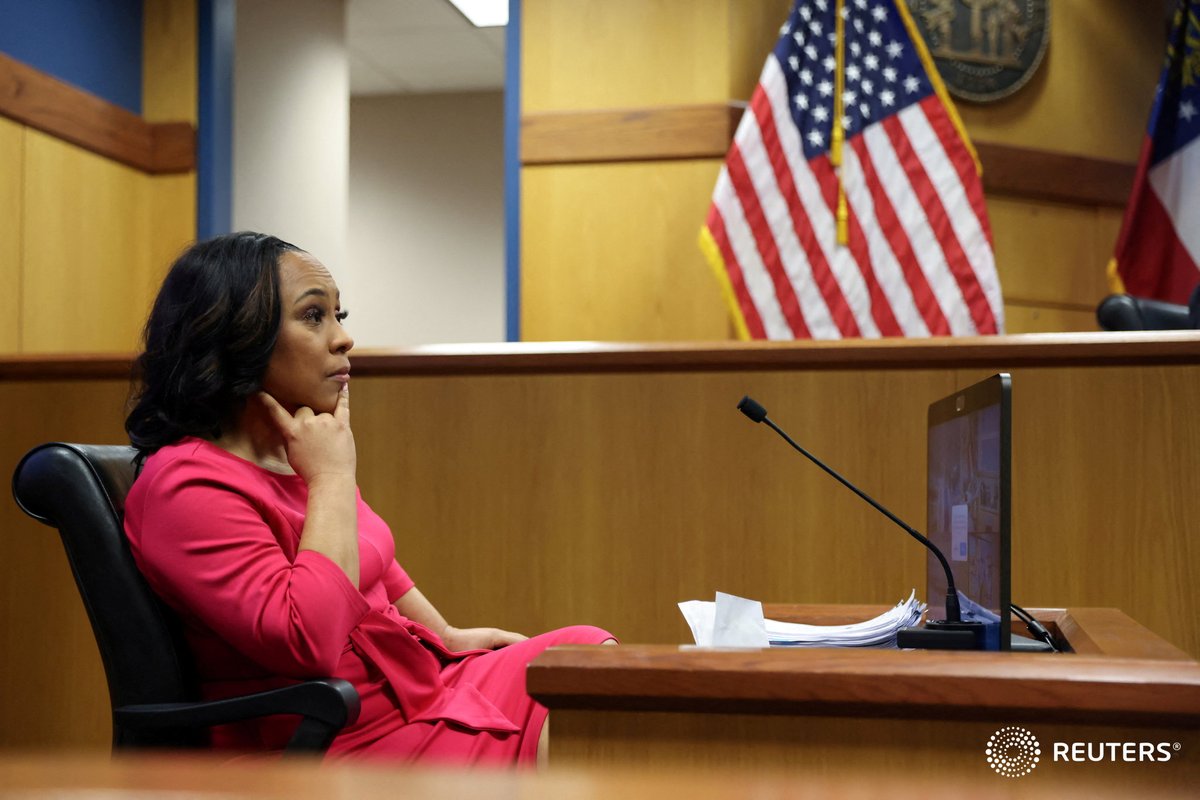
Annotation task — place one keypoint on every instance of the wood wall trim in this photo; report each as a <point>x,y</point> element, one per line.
<point>1018,300</point>
<point>706,130</point>
<point>1059,177</point>
<point>636,134</point>
<point>35,99</point>
<point>1067,349</point>
<point>65,367</point>
<point>1026,350</point>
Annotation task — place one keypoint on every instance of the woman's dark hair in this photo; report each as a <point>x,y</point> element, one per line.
<point>208,339</point>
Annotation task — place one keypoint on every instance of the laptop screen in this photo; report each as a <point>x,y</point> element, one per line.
<point>969,440</point>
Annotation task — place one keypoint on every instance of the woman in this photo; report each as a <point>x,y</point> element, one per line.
<point>245,518</point>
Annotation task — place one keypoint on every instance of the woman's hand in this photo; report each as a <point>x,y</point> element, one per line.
<point>320,448</point>
<point>458,639</point>
<point>416,606</point>
<point>318,445</point>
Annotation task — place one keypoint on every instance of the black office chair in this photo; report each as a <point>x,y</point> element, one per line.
<point>80,490</point>
<point>1125,312</point>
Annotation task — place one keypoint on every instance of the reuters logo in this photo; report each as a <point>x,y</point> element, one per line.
<point>1013,751</point>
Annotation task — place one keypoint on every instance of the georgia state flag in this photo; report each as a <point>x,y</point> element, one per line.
<point>1158,251</point>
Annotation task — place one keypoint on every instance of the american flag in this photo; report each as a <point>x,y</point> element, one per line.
<point>1158,250</point>
<point>914,257</point>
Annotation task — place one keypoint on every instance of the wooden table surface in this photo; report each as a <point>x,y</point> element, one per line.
<point>63,776</point>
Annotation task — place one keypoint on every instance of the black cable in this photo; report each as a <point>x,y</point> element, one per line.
<point>1036,628</point>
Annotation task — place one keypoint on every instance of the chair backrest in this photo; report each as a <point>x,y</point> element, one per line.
<point>80,490</point>
<point>1125,312</point>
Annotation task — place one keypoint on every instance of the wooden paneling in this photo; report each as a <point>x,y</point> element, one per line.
<point>1052,252</point>
<point>1050,255</point>
<point>656,479</point>
<point>169,92</point>
<point>89,233</point>
<point>172,226</point>
<point>753,30</point>
<point>527,490</point>
<point>1118,517</point>
<point>706,130</point>
<point>649,282</point>
<point>903,752</point>
<point>12,138</point>
<point>169,88</point>
<point>633,53</point>
<point>1034,316</point>
<point>1092,94</point>
<point>52,687</point>
<point>47,104</point>
<point>86,232</point>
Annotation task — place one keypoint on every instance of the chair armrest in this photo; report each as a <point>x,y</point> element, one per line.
<point>326,705</point>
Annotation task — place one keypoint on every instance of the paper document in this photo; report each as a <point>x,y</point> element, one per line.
<point>733,621</point>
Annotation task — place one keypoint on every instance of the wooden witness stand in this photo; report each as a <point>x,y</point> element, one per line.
<point>907,713</point>
<point>595,470</point>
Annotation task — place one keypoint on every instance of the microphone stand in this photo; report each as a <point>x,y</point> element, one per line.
<point>952,633</point>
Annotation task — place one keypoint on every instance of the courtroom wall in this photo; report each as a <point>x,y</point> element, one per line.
<point>291,124</point>
<point>608,249</point>
<point>93,44</point>
<point>86,237</point>
<point>426,233</point>
<point>1091,97</point>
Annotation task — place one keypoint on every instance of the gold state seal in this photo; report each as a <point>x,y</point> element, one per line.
<point>984,49</point>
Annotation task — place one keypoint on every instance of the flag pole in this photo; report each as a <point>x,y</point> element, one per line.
<point>839,132</point>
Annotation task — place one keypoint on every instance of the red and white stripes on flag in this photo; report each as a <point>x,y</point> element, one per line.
<point>1158,250</point>
<point>917,256</point>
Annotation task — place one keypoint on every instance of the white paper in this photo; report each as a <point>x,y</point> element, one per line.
<point>733,621</point>
<point>738,622</point>
<point>700,617</point>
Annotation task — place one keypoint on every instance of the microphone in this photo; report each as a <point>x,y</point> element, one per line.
<point>950,633</point>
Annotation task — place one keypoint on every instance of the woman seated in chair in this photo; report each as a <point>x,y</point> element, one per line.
<point>246,519</point>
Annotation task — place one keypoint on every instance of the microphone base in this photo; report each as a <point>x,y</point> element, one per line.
<point>938,634</point>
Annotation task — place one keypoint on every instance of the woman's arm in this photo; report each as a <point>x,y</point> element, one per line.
<point>201,539</point>
<point>416,607</point>
<point>320,448</point>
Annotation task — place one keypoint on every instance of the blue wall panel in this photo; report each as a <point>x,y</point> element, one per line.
<point>95,45</point>
<point>512,172</point>
<point>214,152</point>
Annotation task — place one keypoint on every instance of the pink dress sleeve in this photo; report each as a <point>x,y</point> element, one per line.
<point>397,582</point>
<point>214,555</point>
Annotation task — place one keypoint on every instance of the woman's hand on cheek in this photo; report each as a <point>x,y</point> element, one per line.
<point>317,444</point>
<point>459,639</point>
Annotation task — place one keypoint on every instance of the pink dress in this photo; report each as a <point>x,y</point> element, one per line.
<point>217,538</point>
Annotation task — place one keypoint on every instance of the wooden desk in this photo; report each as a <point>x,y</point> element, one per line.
<point>911,713</point>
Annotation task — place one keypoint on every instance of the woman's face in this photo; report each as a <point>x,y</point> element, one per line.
<point>309,364</point>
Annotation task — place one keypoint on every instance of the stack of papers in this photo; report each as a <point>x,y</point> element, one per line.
<point>733,621</point>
